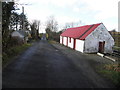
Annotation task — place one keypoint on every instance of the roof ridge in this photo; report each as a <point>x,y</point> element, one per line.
<point>84,25</point>
<point>80,32</point>
<point>86,31</point>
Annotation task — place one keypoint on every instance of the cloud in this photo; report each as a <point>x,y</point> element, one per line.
<point>76,9</point>
<point>104,11</point>
<point>62,20</point>
<point>63,3</point>
<point>60,3</point>
<point>106,8</point>
<point>89,11</point>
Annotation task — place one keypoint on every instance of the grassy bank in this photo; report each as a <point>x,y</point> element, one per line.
<point>12,52</point>
<point>112,72</point>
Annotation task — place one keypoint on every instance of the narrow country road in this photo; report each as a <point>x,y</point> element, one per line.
<point>44,66</point>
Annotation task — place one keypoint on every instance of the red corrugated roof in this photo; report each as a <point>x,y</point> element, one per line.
<point>79,32</point>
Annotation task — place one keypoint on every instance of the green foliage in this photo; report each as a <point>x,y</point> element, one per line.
<point>10,20</point>
<point>23,19</point>
<point>18,19</point>
<point>14,20</point>
<point>40,35</point>
<point>6,13</point>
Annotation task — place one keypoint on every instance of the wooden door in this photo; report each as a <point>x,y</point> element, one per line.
<point>101,47</point>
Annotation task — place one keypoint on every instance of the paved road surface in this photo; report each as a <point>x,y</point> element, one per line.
<point>44,66</point>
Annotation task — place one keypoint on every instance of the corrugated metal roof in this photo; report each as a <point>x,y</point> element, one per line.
<point>80,32</point>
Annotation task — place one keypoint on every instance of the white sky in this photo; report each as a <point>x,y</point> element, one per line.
<point>87,11</point>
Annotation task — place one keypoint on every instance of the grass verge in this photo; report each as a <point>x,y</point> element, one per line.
<point>12,52</point>
<point>112,72</point>
<point>52,41</point>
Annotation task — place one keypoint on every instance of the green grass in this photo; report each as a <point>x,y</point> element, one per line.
<point>12,52</point>
<point>114,76</point>
<point>52,41</point>
<point>112,72</point>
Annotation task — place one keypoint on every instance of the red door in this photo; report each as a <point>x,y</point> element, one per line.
<point>101,47</point>
<point>74,44</point>
<point>62,40</point>
<point>67,41</point>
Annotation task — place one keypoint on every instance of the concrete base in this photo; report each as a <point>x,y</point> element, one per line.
<point>110,58</point>
<point>100,54</point>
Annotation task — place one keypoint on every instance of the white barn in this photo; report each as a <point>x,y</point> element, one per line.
<point>88,39</point>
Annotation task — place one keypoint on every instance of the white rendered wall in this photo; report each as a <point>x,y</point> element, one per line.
<point>70,44</point>
<point>100,34</point>
<point>79,45</point>
<point>60,39</point>
<point>65,41</point>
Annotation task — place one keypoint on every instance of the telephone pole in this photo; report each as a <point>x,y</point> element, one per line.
<point>23,19</point>
<point>23,16</point>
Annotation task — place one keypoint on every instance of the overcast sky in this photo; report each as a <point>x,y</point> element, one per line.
<point>87,11</point>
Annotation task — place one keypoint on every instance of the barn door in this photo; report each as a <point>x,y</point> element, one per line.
<point>101,47</point>
<point>74,44</point>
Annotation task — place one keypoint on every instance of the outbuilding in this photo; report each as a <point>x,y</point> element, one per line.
<point>22,35</point>
<point>17,34</point>
<point>88,39</point>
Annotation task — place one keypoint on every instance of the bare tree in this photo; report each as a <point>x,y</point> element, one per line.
<point>69,25</point>
<point>73,24</point>
<point>52,24</point>
<point>35,29</point>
